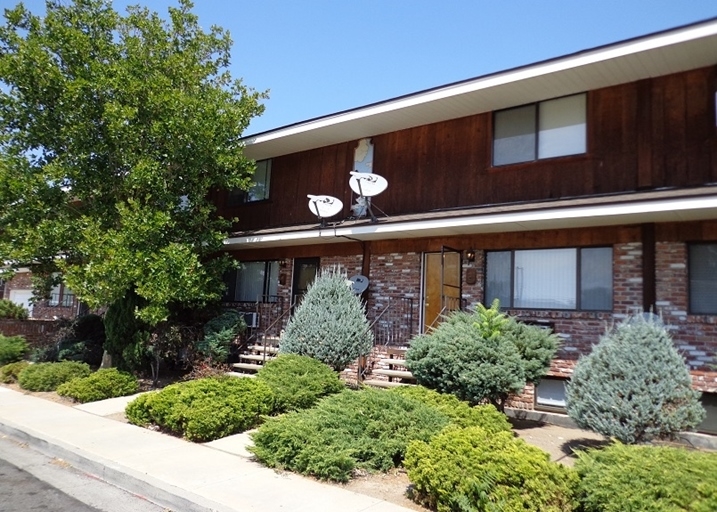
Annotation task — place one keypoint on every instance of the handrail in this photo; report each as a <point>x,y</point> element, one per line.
<point>288,310</point>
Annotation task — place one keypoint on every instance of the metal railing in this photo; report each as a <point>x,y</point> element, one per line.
<point>395,324</point>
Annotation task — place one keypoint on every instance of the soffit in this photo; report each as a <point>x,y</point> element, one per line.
<point>674,51</point>
<point>637,208</point>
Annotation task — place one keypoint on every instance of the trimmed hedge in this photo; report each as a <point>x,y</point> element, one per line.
<point>9,372</point>
<point>367,429</point>
<point>205,409</point>
<point>622,478</point>
<point>9,309</point>
<point>298,381</point>
<point>471,469</point>
<point>48,376</point>
<point>458,412</point>
<point>103,384</point>
<point>12,349</point>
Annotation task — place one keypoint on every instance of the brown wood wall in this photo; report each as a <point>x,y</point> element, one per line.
<point>644,135</point>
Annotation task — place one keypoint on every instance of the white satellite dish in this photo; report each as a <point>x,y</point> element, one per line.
<point>359,284</point>
<point>325,206</point>
<point>367,184</point>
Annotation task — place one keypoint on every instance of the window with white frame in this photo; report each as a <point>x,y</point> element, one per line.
<point>547,129</point>
<point>259,189</point>
<point>253,281</point>
<point>703,278</point>
<point>571,278</point>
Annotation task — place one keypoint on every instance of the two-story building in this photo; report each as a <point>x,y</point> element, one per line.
<point>576,190</point>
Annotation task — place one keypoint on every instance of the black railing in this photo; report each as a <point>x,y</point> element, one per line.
<point>395,323</point>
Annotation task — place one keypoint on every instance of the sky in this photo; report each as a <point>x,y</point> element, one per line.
<point>319,57</point>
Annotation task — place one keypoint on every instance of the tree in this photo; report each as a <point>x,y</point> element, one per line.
<point>482,355</point>
<point>330,323</point>
<point>114,130</point>
<point>634,385</point>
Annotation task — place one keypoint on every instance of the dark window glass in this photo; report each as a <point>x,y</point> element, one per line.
<point>703,279</point>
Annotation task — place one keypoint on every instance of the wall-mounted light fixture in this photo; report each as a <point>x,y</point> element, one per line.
<point>471,255</point>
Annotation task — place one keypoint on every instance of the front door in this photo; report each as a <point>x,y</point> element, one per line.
<point>441,285</point>
<point>305,270</point>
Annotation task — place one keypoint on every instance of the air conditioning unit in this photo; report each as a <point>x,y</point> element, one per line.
<point>251,319</point>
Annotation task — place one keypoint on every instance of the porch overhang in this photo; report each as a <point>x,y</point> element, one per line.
<point>625,209</point>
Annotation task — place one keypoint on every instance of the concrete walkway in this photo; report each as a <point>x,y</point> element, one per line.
<point>171,472</point>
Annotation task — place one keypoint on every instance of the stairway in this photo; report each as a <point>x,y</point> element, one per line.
<point>394,368</point>
<point>253,358</point>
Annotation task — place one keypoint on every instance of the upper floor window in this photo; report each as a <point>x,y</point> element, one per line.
<point>703,279</point>
<point>62,296</point>
<point>253,281</point>
<point>541,130</point>
<point>259,189</point>
<point>573,279</point>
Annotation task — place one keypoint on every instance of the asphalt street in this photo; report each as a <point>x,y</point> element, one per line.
<point>31,481</point>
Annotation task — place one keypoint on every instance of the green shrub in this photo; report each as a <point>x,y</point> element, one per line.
<point>330,324</point>
<point>367,429</point>
<point>298,381</point>
<point>458,412</point>
<point>623,478</point>
<point>83,340</point>
<point>9,309</point>
<point>12,348</point>
<point>634,385</point>
<point>470,469</point>
<point>103,384</point>
<point>206,409</point>
<point>483,355</point>
<point>9,372</point>
<point>219,333</point>
<point>47,376</point>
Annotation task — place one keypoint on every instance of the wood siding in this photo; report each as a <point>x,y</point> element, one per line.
<point>643,135</point>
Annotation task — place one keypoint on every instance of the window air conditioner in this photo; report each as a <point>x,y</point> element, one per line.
<point>251,319</point>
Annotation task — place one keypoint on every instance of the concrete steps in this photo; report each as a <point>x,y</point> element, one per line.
<point>375,383</point>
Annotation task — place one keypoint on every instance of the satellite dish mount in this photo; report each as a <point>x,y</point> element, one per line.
<point>366,185</point>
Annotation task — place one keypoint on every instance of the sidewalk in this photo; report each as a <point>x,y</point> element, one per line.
<point>171,472</point>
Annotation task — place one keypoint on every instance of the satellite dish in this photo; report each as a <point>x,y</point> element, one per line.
<point>367,184</point>
<point>359,284</point>
<point>325,206</point>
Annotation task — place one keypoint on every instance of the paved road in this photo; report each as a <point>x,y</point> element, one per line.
<point>30,481</point>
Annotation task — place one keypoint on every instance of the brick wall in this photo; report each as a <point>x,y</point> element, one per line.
<point>36,332</point>
<point>695,335</point>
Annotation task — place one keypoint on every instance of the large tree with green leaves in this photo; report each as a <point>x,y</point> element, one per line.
<point>114,129</point>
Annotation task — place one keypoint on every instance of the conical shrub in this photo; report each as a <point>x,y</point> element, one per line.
<point>634,385</point>
<point>330,324</point>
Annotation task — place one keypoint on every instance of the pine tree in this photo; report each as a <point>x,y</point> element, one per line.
<point>330,324</point>
<point>634,385</point>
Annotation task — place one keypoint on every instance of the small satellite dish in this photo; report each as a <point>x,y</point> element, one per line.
<point>359,284</point>
<point>325,206</point>
<point>367,184</point>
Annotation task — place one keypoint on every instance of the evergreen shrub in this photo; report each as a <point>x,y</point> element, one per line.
<point>206,409</point>
<point>83,340</point>
<point>48,376</point>
<point>103,384</point>
<point>330,324</point>
<point>625,478</point>
<point>9,309</point>
<point>481,355</point>
<point>298,381</point>
<point>9,372</point>
<point>471,469</point>
<point>634,385</point>
<point>12,349</point>
<point>459,413</point>
<point>219,333</point>
<point>367,429</point>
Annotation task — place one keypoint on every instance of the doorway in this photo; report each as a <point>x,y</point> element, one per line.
<point>441,285</point>
<point>305,271</point>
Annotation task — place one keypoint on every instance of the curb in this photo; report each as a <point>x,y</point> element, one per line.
<point>140,484</point>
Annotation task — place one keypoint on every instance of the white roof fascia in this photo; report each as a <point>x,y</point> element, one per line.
<point>567,217</point>
<point>585,58</point>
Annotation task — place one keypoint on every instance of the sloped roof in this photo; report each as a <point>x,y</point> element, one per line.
<point>671,51</point>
